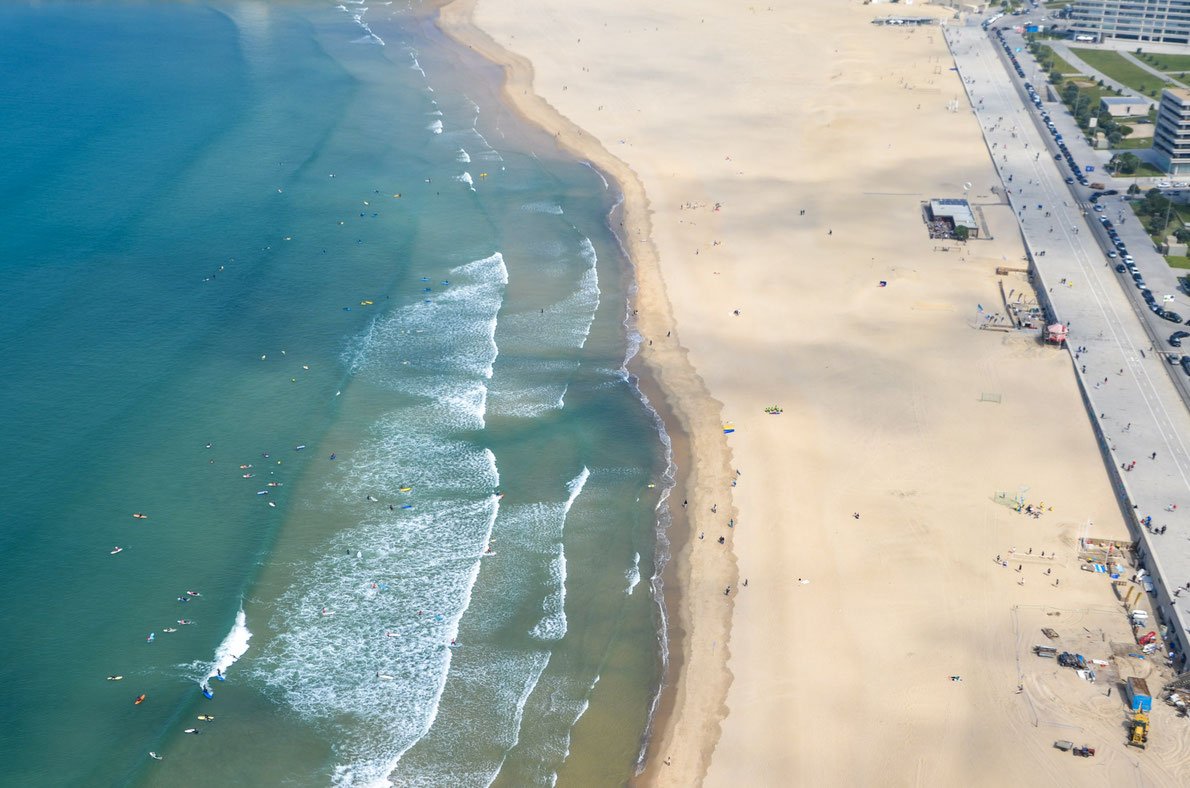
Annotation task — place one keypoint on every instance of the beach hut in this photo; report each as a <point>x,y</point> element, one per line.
<point>1055,333</point>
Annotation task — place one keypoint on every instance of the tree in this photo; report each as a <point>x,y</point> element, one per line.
<point>1182,235</point>
<point>1134,189</point>
<point>1114,138</point>
<point>1127,163</point>
<point>1055,77</point>
<point>961,233</point>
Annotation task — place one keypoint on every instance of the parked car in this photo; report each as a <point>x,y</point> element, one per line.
<point>1186,364</point>
<point>1121,268</point>
<point>1175,339</point>
<point>1171,316</point>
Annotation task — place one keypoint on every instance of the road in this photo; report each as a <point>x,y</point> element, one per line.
<point>1135,407</point>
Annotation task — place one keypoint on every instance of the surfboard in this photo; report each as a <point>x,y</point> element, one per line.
<point>385,677</point>
<point>117,550</point>
<point>114,678</point>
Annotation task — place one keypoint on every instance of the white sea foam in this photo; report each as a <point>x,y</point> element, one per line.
<point>226,653</point>
<point>542,206</point>
<point>435,127</point>
<point>376,575</point>
<point>633,573</point>
<point>553,625</point>
<point>455,328</point>
<point>559,701</point>
<point>467,179</point>
<point>463,157</point>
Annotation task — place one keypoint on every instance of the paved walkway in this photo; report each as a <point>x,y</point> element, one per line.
<point>1063,49</point>
<point>1135,407</point>
<point>1161,75</point>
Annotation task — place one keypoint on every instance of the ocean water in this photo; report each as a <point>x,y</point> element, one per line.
<point>287,280</point>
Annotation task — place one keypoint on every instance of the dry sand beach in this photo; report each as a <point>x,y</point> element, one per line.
<point>722,122</point>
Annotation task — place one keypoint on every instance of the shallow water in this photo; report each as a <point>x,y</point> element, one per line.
<point>267,227</point>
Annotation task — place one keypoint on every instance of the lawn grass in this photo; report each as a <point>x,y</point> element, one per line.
<point>1064,68</point>
<point>1163,62</point>
<point>1146,170</point>
<point>1115,66</point>
<point>1134,143</point>
<point>1177,262</point>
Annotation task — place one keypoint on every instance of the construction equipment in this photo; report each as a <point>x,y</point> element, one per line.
<point>1138,730</point>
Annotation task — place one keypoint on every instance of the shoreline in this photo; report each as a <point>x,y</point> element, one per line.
<point>682,401</point>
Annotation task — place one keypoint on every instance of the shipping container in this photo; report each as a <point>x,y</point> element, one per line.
<point>1138,694</point>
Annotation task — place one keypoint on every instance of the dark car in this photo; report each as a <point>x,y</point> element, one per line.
<point>1171,316</point>
<point>1070,180</point>
<point>1176,338</point>
<point>1186,364</point>
<point>1121,268</point>
<point>1057,156</point>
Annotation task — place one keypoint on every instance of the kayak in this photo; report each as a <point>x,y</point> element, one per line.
<point>140,516</point>
<point>137,702</point>
<point>114,678</point>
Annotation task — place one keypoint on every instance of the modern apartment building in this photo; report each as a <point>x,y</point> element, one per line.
<point>1165,21</point>
<point>1171,134</point>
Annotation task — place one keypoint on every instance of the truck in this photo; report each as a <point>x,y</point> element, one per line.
<point>1138,694</point>
<point>1098,186</point>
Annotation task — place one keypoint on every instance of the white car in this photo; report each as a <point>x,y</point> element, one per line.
<point>1164,185</point>
<point>1111,254</point>
<point>1128,259</point>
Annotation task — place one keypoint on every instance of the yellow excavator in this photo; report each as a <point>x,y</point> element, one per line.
<point>1138,731</point>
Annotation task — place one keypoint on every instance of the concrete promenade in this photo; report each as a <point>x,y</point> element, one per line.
<point>1135,408</point>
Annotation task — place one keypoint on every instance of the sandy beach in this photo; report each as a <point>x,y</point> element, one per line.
<point>773,162</point>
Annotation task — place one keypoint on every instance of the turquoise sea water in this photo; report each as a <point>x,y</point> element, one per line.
<point>267,226</point>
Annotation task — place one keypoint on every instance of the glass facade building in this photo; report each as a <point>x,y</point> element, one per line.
<point>1166,21</point>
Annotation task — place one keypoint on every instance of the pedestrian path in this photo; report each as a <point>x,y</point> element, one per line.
<point>1138,415</point>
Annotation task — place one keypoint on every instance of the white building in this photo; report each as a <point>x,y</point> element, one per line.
<point>1133,20</point>
<point>1123,106</point>
<point>1171,134</point>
